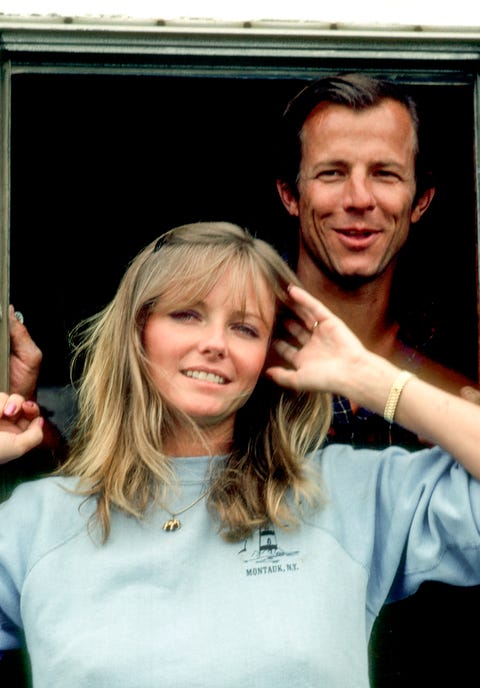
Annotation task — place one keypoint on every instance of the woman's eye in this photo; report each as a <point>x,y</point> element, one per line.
<point>184,315</point>
<point>247,330</point>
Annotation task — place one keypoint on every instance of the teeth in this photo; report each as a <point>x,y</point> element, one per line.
<point>202,375</point>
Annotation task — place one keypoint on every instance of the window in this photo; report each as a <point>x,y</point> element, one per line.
<point>115,137</point>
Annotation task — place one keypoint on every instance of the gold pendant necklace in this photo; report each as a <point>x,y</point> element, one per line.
<point>173,523</point>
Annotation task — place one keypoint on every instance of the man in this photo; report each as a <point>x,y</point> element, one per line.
<point>350,170</point>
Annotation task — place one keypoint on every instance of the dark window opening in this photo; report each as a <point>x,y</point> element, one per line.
<point>103,164</point>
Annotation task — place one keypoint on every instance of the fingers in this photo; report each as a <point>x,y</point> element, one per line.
<point>22,341</point>
<point>298,332</point>
<point>311,312</point>
<point>10,404</point>
<point>281,376</point>
<point>25,358</point>
<point>14,408</point>
<point>18,330</point>
<point>21,427</point>
<point>29,438</point>
<point>311,309</point>
<point>285,350</point>
<point>12,446</point>
<point>30,410</point>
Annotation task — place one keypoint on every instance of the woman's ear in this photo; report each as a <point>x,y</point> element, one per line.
<point>422,204</point>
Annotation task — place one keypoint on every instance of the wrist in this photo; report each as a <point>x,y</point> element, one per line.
<point>370,382</point>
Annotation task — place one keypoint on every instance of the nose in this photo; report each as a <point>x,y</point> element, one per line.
<point>213,342</point>
<point>358,194</point>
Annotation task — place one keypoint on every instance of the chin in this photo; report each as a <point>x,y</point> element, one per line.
<point>350,281</point>
<point>206,420</point>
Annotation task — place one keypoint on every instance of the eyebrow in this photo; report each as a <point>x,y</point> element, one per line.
<point>389,163</point>
<point>248,314</point>
<point>347,163</point>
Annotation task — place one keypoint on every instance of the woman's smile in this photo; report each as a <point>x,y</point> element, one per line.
<point>206,358</point>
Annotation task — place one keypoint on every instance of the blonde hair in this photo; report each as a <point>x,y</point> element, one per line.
<point>117,448</point>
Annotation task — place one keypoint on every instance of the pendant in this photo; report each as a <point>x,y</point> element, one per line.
<point>172,524</point>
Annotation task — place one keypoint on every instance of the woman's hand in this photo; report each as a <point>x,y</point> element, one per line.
<point>324,355</point>
<point>21,427</point>
<point>328,357</point>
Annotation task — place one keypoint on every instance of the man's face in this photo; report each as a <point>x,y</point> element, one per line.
<point>356,188</point>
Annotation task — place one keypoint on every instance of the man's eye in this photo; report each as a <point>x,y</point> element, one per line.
<point>330,174</point>
<point>386,174</point>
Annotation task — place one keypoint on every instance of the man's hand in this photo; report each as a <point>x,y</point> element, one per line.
<point>25,359</point>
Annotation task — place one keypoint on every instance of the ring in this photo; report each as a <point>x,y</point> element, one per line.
<point>19,317</point>
<point>315,325</point>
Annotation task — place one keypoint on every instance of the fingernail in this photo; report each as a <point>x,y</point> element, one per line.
<point>10,409</point>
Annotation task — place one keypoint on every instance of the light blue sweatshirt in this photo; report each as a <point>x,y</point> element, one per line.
<point>184,609</point>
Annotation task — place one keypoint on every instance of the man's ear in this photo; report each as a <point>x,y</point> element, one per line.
<point>288,198</point>
<point>422,204</point>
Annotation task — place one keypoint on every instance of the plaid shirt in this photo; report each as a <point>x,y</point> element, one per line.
<point>367,429</point>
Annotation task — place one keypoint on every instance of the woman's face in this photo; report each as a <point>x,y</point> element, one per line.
<point>206,358</point>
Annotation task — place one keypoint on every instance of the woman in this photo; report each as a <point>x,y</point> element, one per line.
<point>197,536</point>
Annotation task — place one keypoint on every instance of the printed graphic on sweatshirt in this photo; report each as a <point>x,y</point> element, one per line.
<point>262,555</point>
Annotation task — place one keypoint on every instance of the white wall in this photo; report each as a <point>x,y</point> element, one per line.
<point>453,13</point>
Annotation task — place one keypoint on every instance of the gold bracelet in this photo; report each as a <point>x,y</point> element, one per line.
<point>394,395</point>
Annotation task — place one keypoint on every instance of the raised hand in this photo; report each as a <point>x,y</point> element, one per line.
<point>325,352</point>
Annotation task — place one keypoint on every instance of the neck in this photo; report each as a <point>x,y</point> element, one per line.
<point>186,440</point>
<point>363,306</point>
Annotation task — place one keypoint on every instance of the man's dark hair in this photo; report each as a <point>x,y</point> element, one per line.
<point>356,91</point>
